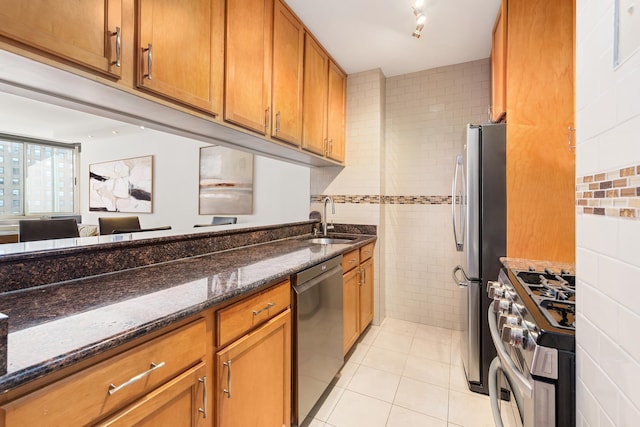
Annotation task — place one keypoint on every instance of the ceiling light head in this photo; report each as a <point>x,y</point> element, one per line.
<point>418,32</point>
<point>421,19</point>
<point>418,4</point>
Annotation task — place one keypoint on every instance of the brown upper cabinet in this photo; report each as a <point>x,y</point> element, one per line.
<point>87,32</point>
<point>324,103</point>
<point>180,51</point>
<point>245,63</point>
<point>288,47</point>
<point>316,64</point>
<point>336,114</point>
<point>540,108</point>
<point>499,65</point>
<point>247,85</point>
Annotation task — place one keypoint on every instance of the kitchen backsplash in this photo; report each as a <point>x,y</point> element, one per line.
<point>612,193</point>
<point>384,200</point>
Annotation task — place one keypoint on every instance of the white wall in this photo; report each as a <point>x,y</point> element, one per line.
<point>403,134</point>
<point>608,246</point>
<point>281,190</point>
<point>360,182</point>
<point>426,117</point>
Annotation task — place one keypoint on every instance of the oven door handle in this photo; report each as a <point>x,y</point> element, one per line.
<point>515,376</point>
<point>494,391</point>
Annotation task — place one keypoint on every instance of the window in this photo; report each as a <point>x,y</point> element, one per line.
<point>42,179</point>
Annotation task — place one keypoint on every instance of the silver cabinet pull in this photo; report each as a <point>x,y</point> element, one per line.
<point>118,46</point>
<point>228,389</point>
<point>326,146</point>
<point>364,276</point>
<point>203,410</point>
<point>331,145</point>
<point>267,307</point>
<point>360,277</point>
<point>278,122</point>
<point>149,50</point>
<point>114,388</point>
<point>267,118</point>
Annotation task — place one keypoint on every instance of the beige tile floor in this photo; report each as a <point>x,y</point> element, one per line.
<point>403,374</point>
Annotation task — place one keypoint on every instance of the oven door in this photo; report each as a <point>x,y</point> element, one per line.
<point>507,369</point>
<point>505,413</point>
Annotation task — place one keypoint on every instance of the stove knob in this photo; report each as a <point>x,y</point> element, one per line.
<point>496,293</point>
<point>508,319</point>
<point>495,290</point>
<point>514,335</point>
<point>502,305</point>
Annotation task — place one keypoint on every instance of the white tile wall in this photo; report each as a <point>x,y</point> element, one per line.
<point>362,176</point>
<point>403,134</point>
<point>608,249</point>
<point>426,116</point>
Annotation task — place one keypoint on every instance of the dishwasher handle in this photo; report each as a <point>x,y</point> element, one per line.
<point>302,287</point>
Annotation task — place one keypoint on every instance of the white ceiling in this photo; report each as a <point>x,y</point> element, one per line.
<point>363,35</point>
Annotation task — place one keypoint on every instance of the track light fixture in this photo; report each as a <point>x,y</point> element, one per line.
<point>421,18</point>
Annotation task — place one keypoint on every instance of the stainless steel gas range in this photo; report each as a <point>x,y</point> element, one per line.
<point>532,325</point>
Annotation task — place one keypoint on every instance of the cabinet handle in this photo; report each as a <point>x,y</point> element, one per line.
<point>203,410</point>
<point>267,307</point>
<point>267,118</point>
<point>118,46</point>
<point>331,145</point>
<point>114,389</point>
<point>363,275</point>
<point>326,146</point>
<point>571,132</point>
<point>149,50</point>
<point>278,122</point>
<point>228,389</point>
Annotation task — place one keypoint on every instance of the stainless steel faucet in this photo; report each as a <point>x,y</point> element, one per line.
<point>324,214</point>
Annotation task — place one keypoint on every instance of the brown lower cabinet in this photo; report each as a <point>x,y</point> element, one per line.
<point>147,383</point>
<point>357,293</point>
<point>237,373</point>
<point>253,386</point>
<point>179,403</point>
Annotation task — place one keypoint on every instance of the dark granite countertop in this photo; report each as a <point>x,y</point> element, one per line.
<point>55,325</point>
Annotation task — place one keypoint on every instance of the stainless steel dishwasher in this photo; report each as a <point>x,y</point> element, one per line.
<point>318,333</point>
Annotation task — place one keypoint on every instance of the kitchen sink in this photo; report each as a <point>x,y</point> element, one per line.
<point>329,240</point>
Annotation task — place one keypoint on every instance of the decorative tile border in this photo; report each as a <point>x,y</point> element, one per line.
<point>385,200</point>
<point>612,193</point>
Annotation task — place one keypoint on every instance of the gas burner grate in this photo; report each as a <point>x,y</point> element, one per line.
<point>560,314</point>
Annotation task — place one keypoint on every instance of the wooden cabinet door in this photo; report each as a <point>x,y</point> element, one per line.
<point>182,402</point>
<point>84,32</point>
<point>336,114</point>
<point>540,109</point>
<point>288,47</point>
<point>253,386</point>
<point>499,65</point>
<point>314,117</point>
<point>350,312</point>
<point>180,50</point>
<point>366,294</point>
<point>248,35</point>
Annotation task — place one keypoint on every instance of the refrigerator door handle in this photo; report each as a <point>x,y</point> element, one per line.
<point>462,283</point>
<point>459,238</point>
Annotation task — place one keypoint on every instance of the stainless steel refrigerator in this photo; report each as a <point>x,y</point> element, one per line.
<point>479,213</point>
